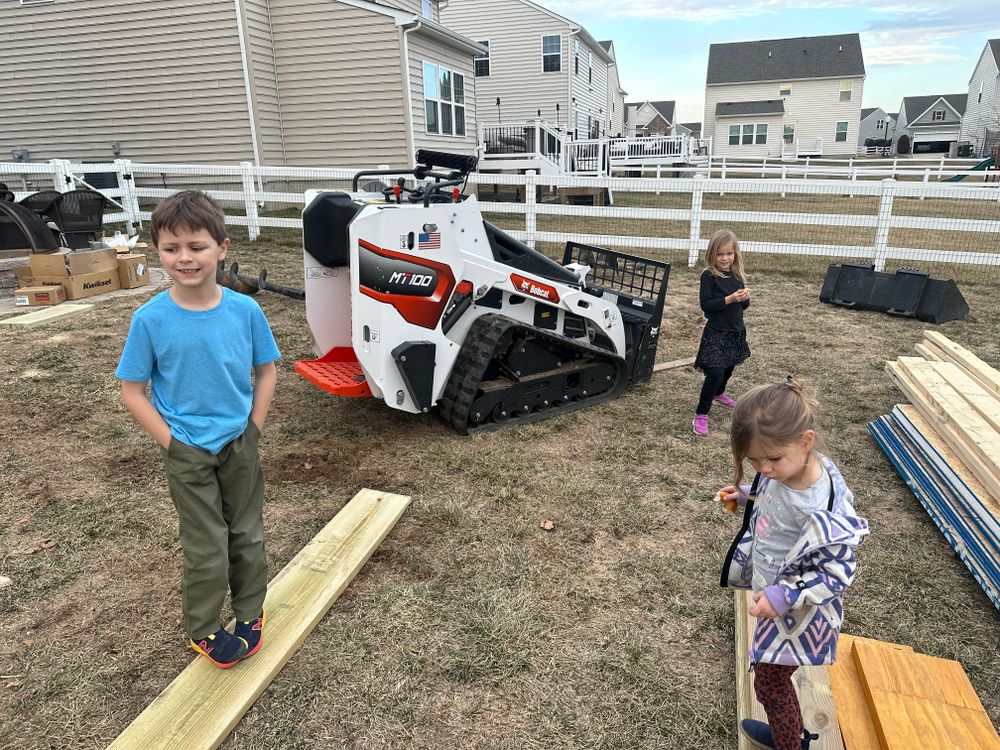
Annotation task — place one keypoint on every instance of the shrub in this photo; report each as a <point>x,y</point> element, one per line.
<point>869,141</point>
<point>903,144</point>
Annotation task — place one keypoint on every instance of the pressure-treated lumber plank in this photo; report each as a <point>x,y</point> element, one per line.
<point>811,683</point>
<point>984,402</point>
<point>203,704</point>
<point>922,701</point>
<point>853,714</point>
<point>988,376</point>
<point>676,364</point>
<point>40,317</point>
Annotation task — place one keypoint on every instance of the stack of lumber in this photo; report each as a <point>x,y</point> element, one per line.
<point>890,698</point>
<point>875,696</point>
<point>946,446</point>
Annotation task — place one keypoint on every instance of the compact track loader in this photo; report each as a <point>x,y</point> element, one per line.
<point>413,298</point>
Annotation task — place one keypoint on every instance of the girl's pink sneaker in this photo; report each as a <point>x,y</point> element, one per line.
<point>726,400</point>
<point>700,424</point>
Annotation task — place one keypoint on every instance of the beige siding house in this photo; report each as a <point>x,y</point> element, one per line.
<point>540,65</point>
<point>338,83</point>
<point>654,118</point>
<point>982,111</point>
<point>616,95</point>
<point>801,96</point>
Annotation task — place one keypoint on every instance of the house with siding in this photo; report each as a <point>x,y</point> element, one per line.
<point>799,96</point>
<point>616,95</point>
<point>653,117</point>
<point>982,109</point>
<point>540,65</point>
<point>933,122</point>
<point>338,83</point>
<point>877,124</point>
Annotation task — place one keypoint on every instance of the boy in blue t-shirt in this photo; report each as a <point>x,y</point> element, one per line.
<point>196,345</point>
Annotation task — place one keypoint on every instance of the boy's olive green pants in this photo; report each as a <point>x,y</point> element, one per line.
<point>219,501</point>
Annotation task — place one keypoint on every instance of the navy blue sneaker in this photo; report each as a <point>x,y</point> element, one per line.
<point>759,734</point>
<point>251,632</point>
<point>221,648</point>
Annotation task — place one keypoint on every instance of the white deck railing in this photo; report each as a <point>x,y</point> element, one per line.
<point>245,190</point>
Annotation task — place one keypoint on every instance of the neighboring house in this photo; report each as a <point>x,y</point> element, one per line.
<point>982,111</point>
<point>539,65</point>
<point>803,94</point>
<point>336,83</point>
<point>616,95</point>
<point>878,124</point>
<point>653,117</point>
<point>932,123</point>
<point>693,129</point>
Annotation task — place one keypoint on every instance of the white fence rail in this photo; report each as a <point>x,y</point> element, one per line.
<point>253,190</point>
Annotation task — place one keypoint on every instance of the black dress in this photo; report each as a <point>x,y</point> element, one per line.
<point>724,340</point>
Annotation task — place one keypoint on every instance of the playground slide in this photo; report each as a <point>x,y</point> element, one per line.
<point>981,166</point>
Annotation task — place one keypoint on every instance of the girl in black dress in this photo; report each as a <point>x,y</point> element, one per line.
<point>724,296</point>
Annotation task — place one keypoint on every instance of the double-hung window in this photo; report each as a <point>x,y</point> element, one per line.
<point>841,132</point>
<point>845,91</point>
<point>785,89</point>
<point>444,100</point>
<point>748,135</point>
<point>590,68</point>
<point>482,63</point>
<point>551,53</point>
<point>576,57</point>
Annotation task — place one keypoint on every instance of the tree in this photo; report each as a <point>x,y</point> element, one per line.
<point>903,144</point>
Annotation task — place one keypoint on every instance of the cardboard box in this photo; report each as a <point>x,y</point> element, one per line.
<point>32,296</point>
<point>133,271</point>
<point>119,243</point>
<point>84,284</point>
<point>65,263</point>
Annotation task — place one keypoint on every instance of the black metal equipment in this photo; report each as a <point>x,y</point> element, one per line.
<point>907,292</point>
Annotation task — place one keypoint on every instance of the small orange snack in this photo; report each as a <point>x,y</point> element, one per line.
<point>730,505</point>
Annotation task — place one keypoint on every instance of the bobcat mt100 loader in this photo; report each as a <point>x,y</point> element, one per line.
<point>413,298</point>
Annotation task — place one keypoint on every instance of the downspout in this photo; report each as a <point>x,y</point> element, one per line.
<point>408,98</point>
<point>571,114</point>
<point>246,84</point>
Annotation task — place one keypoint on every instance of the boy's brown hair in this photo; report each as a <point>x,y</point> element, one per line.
<point>191,210</point>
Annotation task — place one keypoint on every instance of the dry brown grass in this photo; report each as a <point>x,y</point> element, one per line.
<point>470,626</point>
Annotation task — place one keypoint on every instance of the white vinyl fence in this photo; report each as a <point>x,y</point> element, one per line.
<point>949,223</point>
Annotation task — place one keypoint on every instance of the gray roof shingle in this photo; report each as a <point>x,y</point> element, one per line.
<point>914,106</point>
<point>995,49</point>
<point>765,107</point>
<point>786,59</point>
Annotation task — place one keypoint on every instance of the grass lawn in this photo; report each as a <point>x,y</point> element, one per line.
<point>470,626</point>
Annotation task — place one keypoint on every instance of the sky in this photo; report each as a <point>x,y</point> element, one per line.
<point>910,48</point>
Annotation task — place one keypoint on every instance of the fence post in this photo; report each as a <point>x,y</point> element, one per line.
<point>250,200</point>
<point>784,176</point>
<point>722,176</point>
<point>805,173</point>
<point>763,168</point>
<point>927,177</point>
<point>854,178</point>
<point>894,162</point>
<point>62,178</point>
<point>129,199</point>
<point>694,238</point>
<point>941,168</point>
<point>530,217</point>
<point>883,226</point>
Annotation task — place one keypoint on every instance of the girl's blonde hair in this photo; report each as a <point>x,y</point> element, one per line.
<point>718,241</point>
<point>770,415</point>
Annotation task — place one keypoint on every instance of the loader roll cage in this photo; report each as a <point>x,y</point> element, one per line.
<point>460,167</point>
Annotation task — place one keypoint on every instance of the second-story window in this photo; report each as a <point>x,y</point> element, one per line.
<point>938,114</point>
<point>590,67</point>
<point>427,9</point>
<point>576,57</point>
<point>845,91</point>
<point>483,63</point>
<point>551,54</point>
<point>879,124</point>
<point>980,92</point>
<point>785,89</point>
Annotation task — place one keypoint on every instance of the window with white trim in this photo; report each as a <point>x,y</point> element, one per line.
<point>785,89</point>
<point>590,67</point>
<point>845,91</point>
<point>879,124</point>
<point>789,134</point>
<point>980,92</point>
<point>938,115</point>
<point>576,57</point>
<point>551,53</point>
<point>841,132</point>
<point>444,100</point>
<point>427,9</point>
<point>748,135</point>
<point>482,62</point>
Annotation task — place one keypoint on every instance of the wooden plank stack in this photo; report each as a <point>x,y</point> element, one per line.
<point>890,698</point>
<point>946,446</point>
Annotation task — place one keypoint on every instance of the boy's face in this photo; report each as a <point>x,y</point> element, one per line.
<point>190,257</point>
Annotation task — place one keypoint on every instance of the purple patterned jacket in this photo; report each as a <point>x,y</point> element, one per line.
<point>811,581</point>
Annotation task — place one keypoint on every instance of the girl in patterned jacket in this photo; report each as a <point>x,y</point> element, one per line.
<point>795,550</point>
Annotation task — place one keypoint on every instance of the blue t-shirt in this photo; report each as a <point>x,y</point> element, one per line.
<point>199,363</point>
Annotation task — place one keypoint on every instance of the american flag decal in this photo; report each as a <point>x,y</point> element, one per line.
<point>429,241</point>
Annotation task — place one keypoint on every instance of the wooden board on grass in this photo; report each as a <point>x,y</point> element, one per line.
<point>199,709</point>
<point>675,365</point>
<point>811,683</point>
<point>45,315</point>
<point>922,701</point>
<point>988,376</point>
